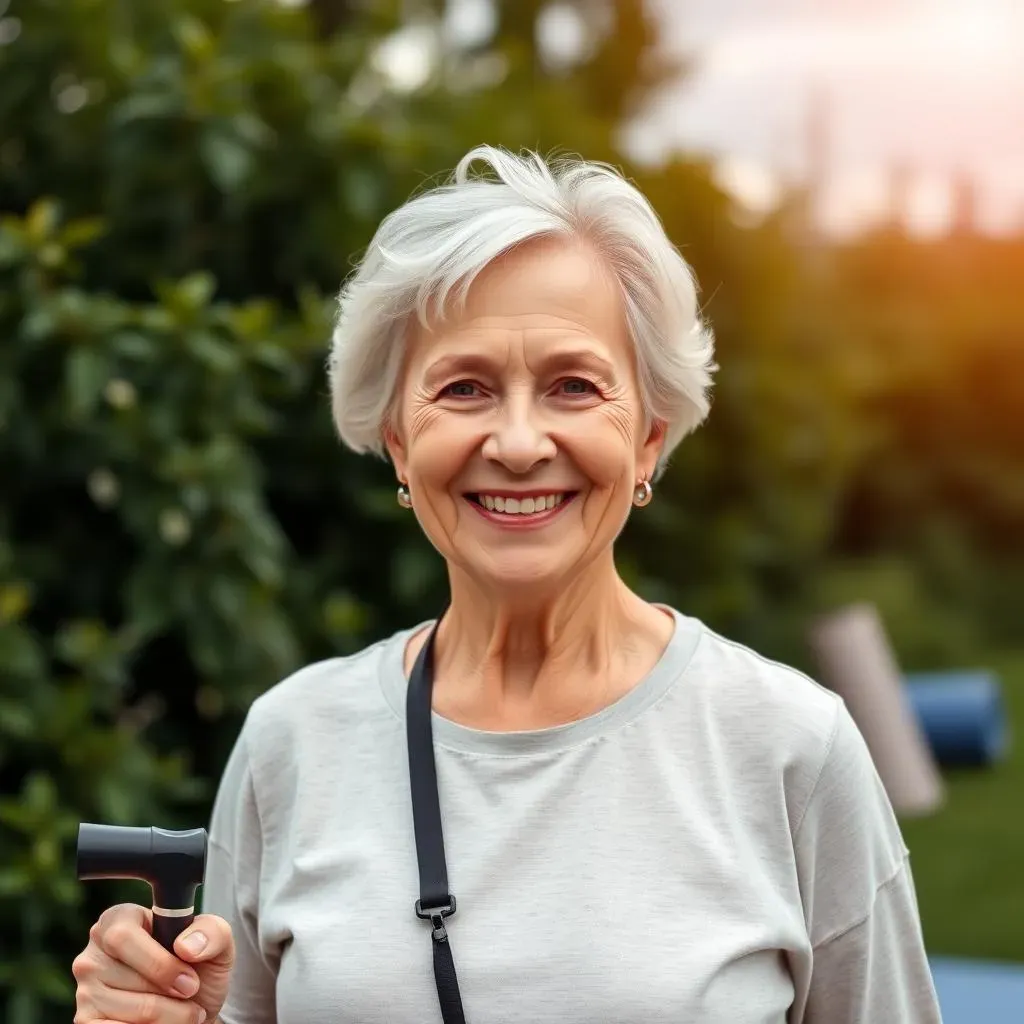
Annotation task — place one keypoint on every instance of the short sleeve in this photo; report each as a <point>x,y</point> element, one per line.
<point>231,890</point>
<point>868,957</point>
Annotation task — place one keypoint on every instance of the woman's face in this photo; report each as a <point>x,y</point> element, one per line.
<point>518,426</point>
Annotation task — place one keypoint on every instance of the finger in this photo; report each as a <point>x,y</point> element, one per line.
<point>98,1004</point>
<point>127,940</point>
<point>145,1008</point>
<point>208,940</point>
<point>114,974</point>
<point>130,913</point>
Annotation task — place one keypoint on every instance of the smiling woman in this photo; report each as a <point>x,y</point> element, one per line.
<point>642,821</point>
<point>527,391</point>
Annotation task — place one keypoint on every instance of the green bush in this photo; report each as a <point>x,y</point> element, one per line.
<point>137,557</point>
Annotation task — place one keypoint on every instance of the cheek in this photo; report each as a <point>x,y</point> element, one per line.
<point>438,443</point>
<point>604,445</point>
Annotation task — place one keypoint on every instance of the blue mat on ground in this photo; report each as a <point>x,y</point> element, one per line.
<point>978,991</point>
<point>961,714</point>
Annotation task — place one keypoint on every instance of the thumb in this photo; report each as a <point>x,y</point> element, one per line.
<point>209,946</point>
<point>208,940</point>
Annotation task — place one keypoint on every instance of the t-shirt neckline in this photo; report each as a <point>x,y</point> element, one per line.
<point>455,736</point>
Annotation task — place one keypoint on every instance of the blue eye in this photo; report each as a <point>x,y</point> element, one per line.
<point>577,386</point>
<point>461,389</point>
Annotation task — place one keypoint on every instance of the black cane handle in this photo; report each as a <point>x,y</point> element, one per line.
<point>173,863</point>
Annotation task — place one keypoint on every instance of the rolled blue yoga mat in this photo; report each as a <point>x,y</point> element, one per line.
<point>961,714</point>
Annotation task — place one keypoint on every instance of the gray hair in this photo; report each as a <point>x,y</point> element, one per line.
<point>436,243</point>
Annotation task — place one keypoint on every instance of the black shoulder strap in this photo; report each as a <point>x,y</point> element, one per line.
<point>435,902</point>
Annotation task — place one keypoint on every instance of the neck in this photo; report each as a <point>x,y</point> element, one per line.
<point>521,660</point>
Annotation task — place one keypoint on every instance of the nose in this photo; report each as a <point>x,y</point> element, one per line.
<point>519,441</point>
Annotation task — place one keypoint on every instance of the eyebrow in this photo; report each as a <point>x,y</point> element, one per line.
<point>568,359</point>
<point>563,359</point>
<point>446,366</point>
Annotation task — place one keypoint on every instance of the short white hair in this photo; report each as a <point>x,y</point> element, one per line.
<point>435,244</point>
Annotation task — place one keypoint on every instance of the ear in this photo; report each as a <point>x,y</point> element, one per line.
<point>650,450</point>
<point>396,450</point>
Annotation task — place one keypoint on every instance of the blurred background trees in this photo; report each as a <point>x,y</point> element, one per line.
<point>183,186</point>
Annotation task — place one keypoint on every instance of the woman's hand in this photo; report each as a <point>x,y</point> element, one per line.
<point>126,977</point>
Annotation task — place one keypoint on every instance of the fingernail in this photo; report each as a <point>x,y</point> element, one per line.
<point>186,984</point>
<point>195,943</point>
<point>202,1015</point>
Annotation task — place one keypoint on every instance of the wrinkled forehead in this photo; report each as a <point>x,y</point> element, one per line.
<point>542,302</point>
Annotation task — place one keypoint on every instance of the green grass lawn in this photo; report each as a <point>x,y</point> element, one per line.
<point>968,858</point>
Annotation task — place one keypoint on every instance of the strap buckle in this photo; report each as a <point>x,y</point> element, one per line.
<point>436,916</point>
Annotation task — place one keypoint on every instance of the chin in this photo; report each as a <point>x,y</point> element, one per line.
<point>521,574</point>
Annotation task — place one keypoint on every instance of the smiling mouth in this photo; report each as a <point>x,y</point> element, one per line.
<point>534,505</point>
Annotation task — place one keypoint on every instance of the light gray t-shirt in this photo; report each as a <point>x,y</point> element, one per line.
<point>713,848</point>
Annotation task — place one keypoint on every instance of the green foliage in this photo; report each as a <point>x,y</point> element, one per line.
<point>183,186</point>
<point>938,332</point>
<point>133,511</point>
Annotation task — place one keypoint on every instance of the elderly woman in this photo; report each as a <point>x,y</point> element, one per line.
<point>558,802</point>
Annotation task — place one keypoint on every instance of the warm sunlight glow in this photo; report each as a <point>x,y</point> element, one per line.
<point>980,33</point>
<point>751,184</point>
<point>933,87</point>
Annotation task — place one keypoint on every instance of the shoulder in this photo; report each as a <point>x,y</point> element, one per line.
<point>785,730</point>
<point>746,686</point>
<point>326,719</point>
<point>323,697</point>
<point>768,727</point>
<point>788,750</point>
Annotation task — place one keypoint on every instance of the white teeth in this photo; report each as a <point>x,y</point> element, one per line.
<point>520,506</point>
